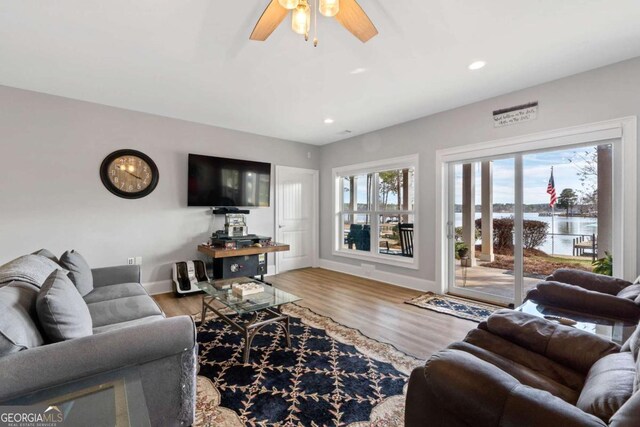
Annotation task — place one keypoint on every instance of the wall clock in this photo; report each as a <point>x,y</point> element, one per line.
<point>129,174</point>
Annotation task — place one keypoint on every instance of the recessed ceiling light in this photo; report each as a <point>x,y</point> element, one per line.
<point>477,65</point>
<point>358,71</point>
<point>328,121</point>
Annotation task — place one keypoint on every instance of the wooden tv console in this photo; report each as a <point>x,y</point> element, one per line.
<point>215,252</point>
<point>248,261</point>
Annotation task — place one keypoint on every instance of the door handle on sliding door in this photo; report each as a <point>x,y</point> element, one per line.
<point>450,230</point>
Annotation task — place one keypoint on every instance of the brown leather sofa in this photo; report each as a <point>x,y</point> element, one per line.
<point>518,370</point>
<point>591,293</point>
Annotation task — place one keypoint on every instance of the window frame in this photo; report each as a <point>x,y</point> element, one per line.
<point>373,255</point>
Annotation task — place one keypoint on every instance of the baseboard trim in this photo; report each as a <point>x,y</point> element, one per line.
<point>160,287</point>
<point>166,286</point>
<point>381,276</point>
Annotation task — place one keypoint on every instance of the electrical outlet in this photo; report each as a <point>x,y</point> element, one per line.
<point>138,260</point>
<point>131,261</point>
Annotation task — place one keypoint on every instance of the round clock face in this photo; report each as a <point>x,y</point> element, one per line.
<point>129,174</point>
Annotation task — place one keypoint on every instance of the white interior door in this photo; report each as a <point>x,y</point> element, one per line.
<point>297,217</point>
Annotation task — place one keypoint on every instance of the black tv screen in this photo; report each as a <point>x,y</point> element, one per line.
<point>217,182</point>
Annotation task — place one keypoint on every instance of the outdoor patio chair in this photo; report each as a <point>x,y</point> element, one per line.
<point>406,239</point>
<point>588,292</point>
<point>360,236</point>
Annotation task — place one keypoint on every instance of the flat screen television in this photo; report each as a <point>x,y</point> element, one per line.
<point>221,182</point>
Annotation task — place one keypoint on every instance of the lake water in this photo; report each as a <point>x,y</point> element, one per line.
<point>562,245</point>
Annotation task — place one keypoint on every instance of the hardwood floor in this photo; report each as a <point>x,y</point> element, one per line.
<point>376,309</point>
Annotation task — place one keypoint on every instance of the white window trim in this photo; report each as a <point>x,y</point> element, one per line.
<point>373,167</point>
<point>624,182</point>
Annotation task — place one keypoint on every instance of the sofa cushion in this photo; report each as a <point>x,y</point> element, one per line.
<point>122,310</point>
<point>633,344</point>
<point>630,292</point>
<point>569,346</point>
<point>636,382</point>
<point>588,280</point>
<point>18,322</point>
<point>608,386</point>
<point>628,414</point>
<point>576,298</point>
<point>109,292</point>
<point>47,254</point>
<point>542,365</point>
<point>523,374</point>
<point>62,312</point>
<point>30,269</point>
<point>79,271</point>
<point>127,324</point>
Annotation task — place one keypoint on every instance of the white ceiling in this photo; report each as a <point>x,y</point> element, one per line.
<point>192,59</point>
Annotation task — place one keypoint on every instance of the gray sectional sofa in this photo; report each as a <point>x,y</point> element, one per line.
<point>124,330</point>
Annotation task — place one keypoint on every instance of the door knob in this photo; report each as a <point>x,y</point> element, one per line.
<point>281,226</point>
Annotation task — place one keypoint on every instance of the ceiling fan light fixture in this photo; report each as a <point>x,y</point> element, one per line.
<point>301,18</point>
<point>288,4</point>
<point>329,8</point>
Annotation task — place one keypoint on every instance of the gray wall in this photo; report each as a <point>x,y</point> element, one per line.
<point>51,148</point>
<point>51,195</point>
<point>605,93</point>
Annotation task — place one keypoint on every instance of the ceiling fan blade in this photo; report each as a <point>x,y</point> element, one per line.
<point>353,18</point>
<point>272,16</point>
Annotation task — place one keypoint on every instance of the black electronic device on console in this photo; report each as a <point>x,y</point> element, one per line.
<point>221,240</point>
<point>240,266</point>
<point>243,265</point>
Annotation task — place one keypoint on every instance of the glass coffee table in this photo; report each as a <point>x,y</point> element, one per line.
<point>267,303</point>
<point>116,398</point>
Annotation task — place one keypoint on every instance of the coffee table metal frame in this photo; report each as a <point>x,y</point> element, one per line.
<point>250,327</point>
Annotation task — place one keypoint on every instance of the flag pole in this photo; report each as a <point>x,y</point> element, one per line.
<point>553,219</point>
<point>553,216</point>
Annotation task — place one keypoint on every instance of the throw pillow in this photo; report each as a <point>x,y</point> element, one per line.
<point>47,254</point>
<point>79,271</point>
<point>62,312</point>
<point>31,269</point>
<point>18,322</point>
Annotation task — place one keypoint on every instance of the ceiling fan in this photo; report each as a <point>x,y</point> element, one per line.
<point>346,12</point>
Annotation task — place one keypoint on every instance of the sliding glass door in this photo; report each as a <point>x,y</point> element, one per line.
<point>481,219</point>
<point>514,219</point>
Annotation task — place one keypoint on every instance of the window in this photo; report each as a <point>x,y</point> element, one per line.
<point>376,211</point>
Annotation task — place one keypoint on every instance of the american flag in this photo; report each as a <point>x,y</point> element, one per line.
<point>551,190</point>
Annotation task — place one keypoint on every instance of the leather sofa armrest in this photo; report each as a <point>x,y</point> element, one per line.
<point>588,280</point>
<point>629,414</point>
<point>115,275</point>
<point>570,347</point>
<point>54,364</point>
<point>477,393</point>
<point>583,300</point>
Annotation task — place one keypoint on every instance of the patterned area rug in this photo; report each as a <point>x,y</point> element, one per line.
<point>454,306</point>
<point>333,375</point>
